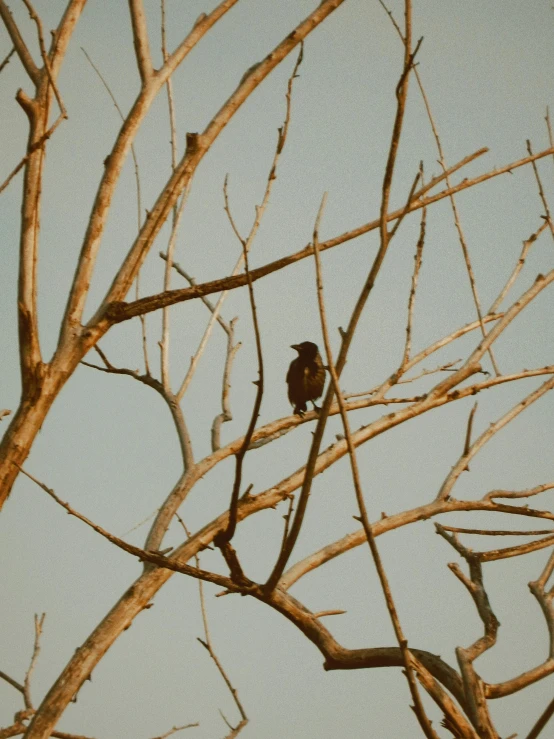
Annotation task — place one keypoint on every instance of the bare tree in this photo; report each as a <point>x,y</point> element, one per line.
<point>458,697</point>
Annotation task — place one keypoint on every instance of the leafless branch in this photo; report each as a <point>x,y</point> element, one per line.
<point>144,555</point>
<point>541,192</point>
<point>118,310</point>
<point>12,682</point>
<point>178,209</point>
<point>6,59</point>
<point>411,301</point>
<point>167,395</point>
<point>225,414</point>
<point>454,720</point>
<point>543,719</point>
<point>519,494</point>
<point>45,58</point>
<point>487,435</point>
<point>516,551</point>
<point>390,523</point>
<point>517,269</point>
<point>549,129</point>
<point>36,649</point>
<point>140,39</point>
<point>230,531</point>
<point>208,645</point>
<point>545,599</point>
<point>496,532</point>
<point>467,442</point>
<point>164,343</point>
<point>457,221</point>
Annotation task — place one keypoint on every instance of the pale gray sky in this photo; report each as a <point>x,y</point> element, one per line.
<point>108,445</point>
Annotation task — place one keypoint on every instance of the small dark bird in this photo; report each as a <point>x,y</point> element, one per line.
<point>306,377</point>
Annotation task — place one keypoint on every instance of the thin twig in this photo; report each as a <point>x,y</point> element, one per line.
<point>541,191</point>
<point>225,414</point>
<point>497,532</point>
<point>36,649</point>
<point>230,531</point>
<point>164,343</point>
<point>208,645</point>
<point>457,221</point>
<point>7,58</point>
<point>144,555</point>
<point>178,209</point>
<point>467,442</point>
<point>527,244</point>
<point>411,301</point>
<point>545,599</point>
<point>192,281</point>
<point>167,395</point>
<point>46,59</point>
<point>516,551</point>
<point>541,722</point>
<point>549,129</point>
<point>139,204</point>
<point>519,494</point>
<point>12,682</point>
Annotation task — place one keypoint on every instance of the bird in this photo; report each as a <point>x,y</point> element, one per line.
<point>306,377</point>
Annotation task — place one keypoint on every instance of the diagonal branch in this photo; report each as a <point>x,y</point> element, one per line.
<point>119,311</point>
<point>6,60</point>
<point>471,450</point>
<point>226,537</point>
<point>542,196</point>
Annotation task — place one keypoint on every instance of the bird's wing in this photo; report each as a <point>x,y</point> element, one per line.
<point>290,372</point>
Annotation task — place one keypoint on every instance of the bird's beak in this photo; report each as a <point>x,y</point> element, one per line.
<point>295,346</point>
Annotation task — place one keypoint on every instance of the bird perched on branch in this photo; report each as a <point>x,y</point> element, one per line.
<point>306,377</point>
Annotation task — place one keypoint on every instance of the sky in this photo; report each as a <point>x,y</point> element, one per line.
<point>108,445</point>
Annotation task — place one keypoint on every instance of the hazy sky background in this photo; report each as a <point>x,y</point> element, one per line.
<point>109,447</point>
